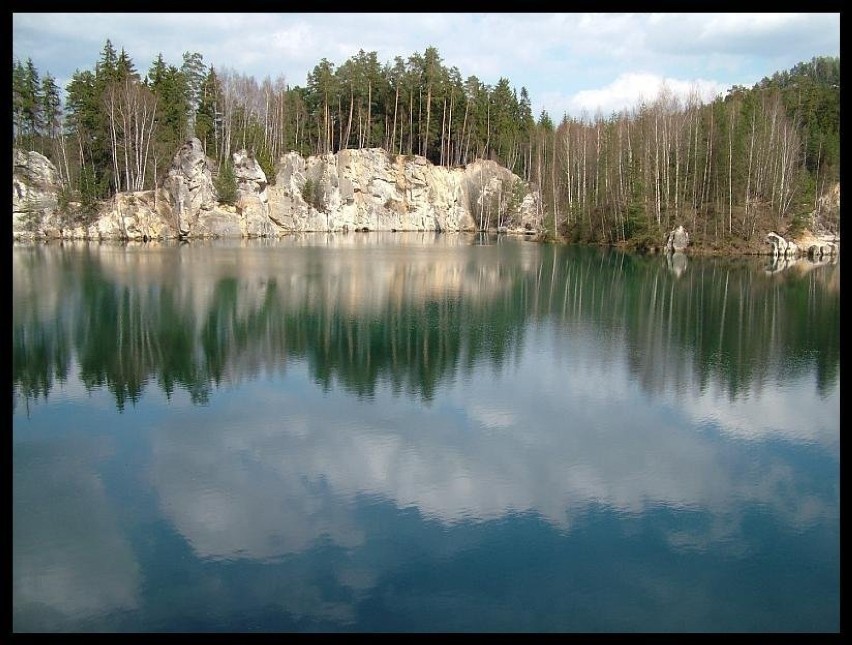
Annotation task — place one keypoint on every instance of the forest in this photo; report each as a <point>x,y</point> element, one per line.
<point>754,160</point>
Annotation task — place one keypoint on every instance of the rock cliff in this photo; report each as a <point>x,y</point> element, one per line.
<point>35,192</point>
<point>351,190</point>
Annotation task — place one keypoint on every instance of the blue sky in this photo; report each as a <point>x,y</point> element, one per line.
<point>569,62</point>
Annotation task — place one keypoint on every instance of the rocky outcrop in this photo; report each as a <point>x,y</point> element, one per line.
<point>825,219</point>
<point>139,216</point>
<point>810,251</point>
<point>820,250</point>
<point>818,246</point>
<point>252,202</point>
<point>820,240</point>
<point>190,186</point>
<point>353,190</point>
<point>35,192</point>
<point>677,240</point>
<point>372,190</point>
<point>781,247</point>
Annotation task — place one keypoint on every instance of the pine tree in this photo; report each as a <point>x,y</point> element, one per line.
<point>226,183</point>
<point>207,118</point>
<point>18,94</point>
<point>124,68</point>
<point>172,93</point>
<point>31,103</point>
<point>106,69</point>
<point>195,73</point>
<point>323,91</point>
<point>51,106</point>
<point>85,116</point>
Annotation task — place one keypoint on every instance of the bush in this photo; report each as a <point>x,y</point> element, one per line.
<point>267,164</point>
<point>226,184</point>
<point>312,194</point>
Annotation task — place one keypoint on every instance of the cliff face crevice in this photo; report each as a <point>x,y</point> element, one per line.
<point>352,190</point>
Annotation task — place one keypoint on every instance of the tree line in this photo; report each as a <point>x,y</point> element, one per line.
<point>755,158</point>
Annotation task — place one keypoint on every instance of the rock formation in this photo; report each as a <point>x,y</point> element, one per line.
<point>809,252</point>
<point>252,197</point>
<point>816,247</point>
<point>677,240</point>
<point>820,250</point>
<point>190,186</point>
<point>372,190</point>
<point>782,248</point>
<point>825,219</point>
<point>353,190</point>
<point>35,192</point>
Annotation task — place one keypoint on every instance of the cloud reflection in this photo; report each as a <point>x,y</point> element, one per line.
<point>71,561</point>
<point>575,439</point>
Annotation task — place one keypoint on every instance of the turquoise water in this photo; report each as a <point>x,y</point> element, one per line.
<point>419,432</point>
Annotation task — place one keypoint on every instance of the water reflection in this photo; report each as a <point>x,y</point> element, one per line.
<point>411,314</point>
<point>778,264</point>
<point>676,263</point>
<point>299,467</point>
<point>86,570</point>
<point>421,433</point>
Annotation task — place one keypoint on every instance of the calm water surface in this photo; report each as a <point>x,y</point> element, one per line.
<point>413,432</point>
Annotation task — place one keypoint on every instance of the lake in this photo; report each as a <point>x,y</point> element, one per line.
<point>421,432</point>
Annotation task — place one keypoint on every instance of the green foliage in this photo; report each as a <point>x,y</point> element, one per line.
<point>312,194</point>
<point>170,87</point>
<point>624,178</point>
<point>124,67</point>
<point>206,116</point>
<point>577,231</point>
<point>513,205</point>
<point>88,118</point>
<point>51,106</point>
<point>308,191</point>
<point>640,232</point>
<point>811,94</point>
<point>76,208</point>
<point>27,103</point>
<point>267,164</point>
<point>64,198</point>
<point>194,72</point>
<point>799,222</point>
<point>225,183</point>
<point>91,189</point>
<point>106,67</point>
<point>803,204</point>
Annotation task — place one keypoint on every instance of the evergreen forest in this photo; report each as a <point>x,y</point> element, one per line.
<point>754,160</point>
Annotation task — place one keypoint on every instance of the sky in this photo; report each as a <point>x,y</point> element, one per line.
<point>570,63</point>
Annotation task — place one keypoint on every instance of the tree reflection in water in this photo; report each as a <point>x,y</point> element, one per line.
<point>410,310</point>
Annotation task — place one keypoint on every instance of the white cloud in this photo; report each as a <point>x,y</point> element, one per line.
<point>560,58</point>
<point>292,40</point>
<point>737,34</point>
<point>629,90</point>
